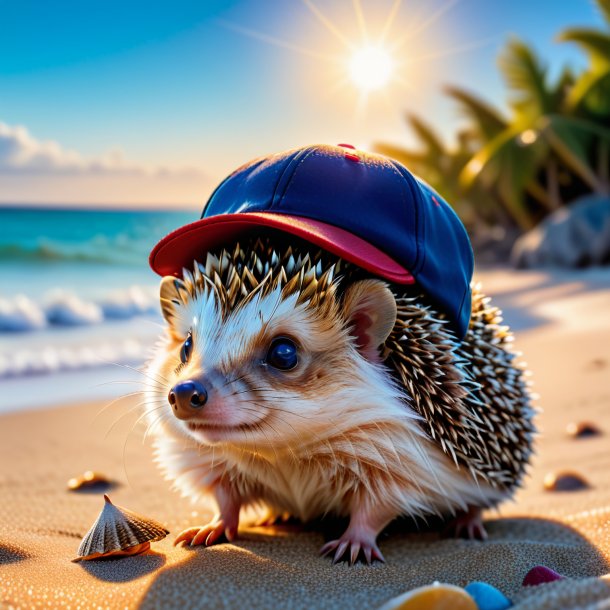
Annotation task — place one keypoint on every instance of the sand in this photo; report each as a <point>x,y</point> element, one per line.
<point>563,327</point>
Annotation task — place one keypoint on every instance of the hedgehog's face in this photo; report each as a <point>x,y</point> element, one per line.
<point>273,371</point>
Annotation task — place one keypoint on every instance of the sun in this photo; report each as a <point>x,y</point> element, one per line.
<point>373,63</point>
<point>371,68</point>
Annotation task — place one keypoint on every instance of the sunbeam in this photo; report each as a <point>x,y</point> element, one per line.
<point>372,66</point>
<point>361,20</point>
<point>387,26</point>
<point>328,24</point>
<point>424,25</point>
<point>276,41</point>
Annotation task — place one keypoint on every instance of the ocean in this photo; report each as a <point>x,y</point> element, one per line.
<point>78,303</point>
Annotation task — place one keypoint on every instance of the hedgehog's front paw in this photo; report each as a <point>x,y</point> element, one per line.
<point>467,524</point>
<point>208,534</point>
<point>352,546</point>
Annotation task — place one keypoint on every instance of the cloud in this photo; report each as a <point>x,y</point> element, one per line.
<point>44,172</point>
<point>20,153</point>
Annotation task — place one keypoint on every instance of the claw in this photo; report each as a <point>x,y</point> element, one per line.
<point>340,551</point>
<point>467,524</point>
<point>354,553</point>
<point>377,555</point>
<point>231,533</point>
<point>201,537</point>
<point>187,535</point>
<point>368,549</point>
<point>328,547</point>
<point>207,534</point>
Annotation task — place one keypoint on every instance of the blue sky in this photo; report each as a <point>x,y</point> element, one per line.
<point>158,100</point>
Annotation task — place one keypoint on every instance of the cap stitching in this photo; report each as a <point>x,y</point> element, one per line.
<point>307,154</point>
<point>290,163</point>
<point>414,196</point>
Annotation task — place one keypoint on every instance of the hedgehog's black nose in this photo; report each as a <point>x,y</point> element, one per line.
<point>187,397</point>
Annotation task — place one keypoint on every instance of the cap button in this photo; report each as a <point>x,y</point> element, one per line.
<point>349,155</point>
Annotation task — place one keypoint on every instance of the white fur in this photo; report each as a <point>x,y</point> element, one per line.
<point>359,446</point>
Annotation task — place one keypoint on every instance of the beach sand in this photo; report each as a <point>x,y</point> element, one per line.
<point>563,324</point>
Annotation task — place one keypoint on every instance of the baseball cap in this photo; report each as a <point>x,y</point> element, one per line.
<point>364,207</point>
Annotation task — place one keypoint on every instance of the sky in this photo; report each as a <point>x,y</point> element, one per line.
<point>153,103</point>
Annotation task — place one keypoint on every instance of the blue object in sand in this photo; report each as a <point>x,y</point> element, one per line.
<point>487,597</point>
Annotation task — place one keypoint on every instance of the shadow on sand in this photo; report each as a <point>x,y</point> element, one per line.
<point>11,554</point>
<point>132,567</point>
<point>282,569</point>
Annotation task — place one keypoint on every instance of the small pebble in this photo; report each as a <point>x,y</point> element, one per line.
<point>539,575</point>
<point>582,429</point>
<point>598,363</point>
<point>436,596</point>
<point>89,480</point>
<point>565,481</point>
<point>487,597</point>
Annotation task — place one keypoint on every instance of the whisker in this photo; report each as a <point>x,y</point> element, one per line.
<point>151,426</point>
<point>160,378</point>
<point>133,427</point>
<point>123,382</point>
<point>129,411</point>
<point>112,402</point>
<point>236,379</point>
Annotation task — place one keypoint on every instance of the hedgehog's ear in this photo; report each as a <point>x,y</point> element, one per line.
<point>370,310</point>
<point>172,294</point>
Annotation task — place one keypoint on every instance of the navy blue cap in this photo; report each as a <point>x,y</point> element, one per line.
<point>364,207</point>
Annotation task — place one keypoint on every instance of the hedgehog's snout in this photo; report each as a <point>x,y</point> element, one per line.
<point>187,398</point>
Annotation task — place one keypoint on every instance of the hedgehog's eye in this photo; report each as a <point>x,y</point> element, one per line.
<point>282,354</point>
<point>187,348</point>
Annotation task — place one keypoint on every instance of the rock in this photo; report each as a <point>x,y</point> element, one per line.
<point>582,429</point>
<point>90,481</point>
<point>437,596</point>
<point>574,236</point>
<point>487,597</point>
<point>539,575</point>
<point>565,481</point>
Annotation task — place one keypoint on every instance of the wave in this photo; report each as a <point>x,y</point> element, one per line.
<point>61,308</point>
<point>97,250</point>
<point>56,360</point>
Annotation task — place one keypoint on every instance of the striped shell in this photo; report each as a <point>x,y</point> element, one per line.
<point>119,532</point>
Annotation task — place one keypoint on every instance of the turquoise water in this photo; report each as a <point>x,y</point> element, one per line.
<point>85,251</point>
<point>76,293</point>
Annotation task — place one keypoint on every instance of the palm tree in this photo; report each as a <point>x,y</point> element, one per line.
<point>553,147</point>
<point>541,136</point>
<point>441,167</point>
<point>590,95</point>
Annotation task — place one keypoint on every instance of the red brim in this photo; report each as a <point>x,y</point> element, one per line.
<point>180,248</point>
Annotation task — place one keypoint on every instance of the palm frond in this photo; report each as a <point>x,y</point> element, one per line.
<point>526,77</point>
<point>594,42</point>
<point>604,8</point>
<point>487,121</point>
<point>427,135</point>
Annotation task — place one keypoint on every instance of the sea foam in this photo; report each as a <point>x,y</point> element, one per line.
<point>63,308</point>
<point>53,359</point>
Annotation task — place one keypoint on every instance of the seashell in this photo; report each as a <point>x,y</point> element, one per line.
<point>437,596</point>
<point>119,532</point>
<point>88,480</point>
<point>565,481</point>
<point>582,429</point>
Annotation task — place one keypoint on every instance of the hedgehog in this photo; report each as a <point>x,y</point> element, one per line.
<point>294,381</point>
